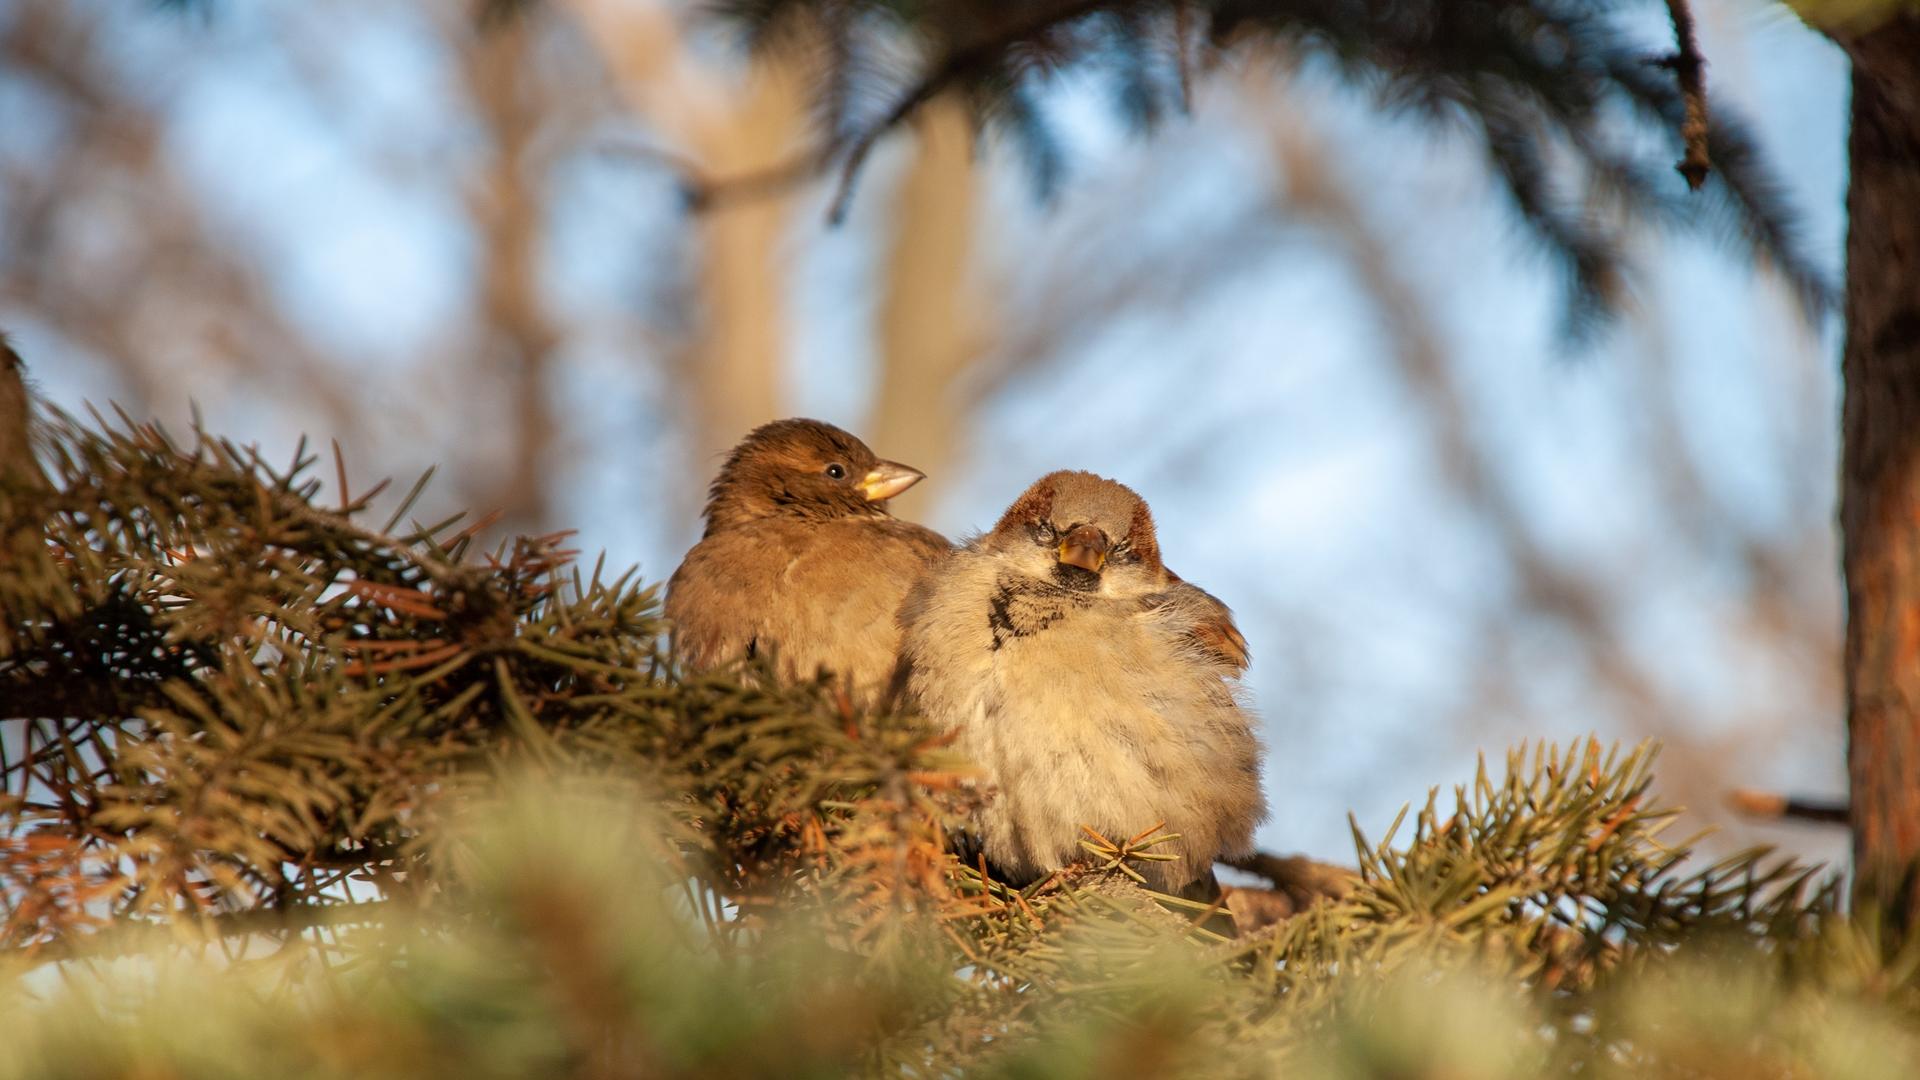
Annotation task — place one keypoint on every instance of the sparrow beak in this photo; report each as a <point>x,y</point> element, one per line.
<point>887,479</point>
<point>1084,547</point>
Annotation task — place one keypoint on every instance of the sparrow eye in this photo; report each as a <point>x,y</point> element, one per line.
<point>837,471</point>
<point>1043,532</point>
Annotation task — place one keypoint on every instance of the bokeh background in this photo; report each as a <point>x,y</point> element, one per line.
<point>1310,333</point>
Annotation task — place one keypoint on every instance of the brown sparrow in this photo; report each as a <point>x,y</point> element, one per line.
<point>800,558</point>
<point>1091,684</point>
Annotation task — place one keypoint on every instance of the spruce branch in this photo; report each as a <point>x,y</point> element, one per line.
<point>551,853</point>
<point>1112,855</point>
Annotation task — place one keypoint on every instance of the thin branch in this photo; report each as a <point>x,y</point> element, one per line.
<point>1770,806</point>
<point>771,182</point>
<point>1690,68</point>
<point>704,193</point>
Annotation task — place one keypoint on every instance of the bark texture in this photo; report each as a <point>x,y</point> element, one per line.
<point>1880,471</point>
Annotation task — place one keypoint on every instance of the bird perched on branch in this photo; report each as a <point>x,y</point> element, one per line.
<point>800,558</point>
<point>1093,685</point>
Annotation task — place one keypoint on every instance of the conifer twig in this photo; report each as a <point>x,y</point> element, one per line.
<point>1690,69</point>
<point>1116,856</point>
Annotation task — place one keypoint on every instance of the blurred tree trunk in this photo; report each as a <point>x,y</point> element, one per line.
<point>735,366</point>
<point>730,128</point>
<point>931,315</point>
<point>1880,470</point>
<point>517,336</point>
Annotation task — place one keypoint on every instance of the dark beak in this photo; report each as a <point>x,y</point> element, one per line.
<point>1084,547</point>
<point>887,479</point>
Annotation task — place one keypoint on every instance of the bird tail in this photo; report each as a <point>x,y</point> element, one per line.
<point>1206,889</point>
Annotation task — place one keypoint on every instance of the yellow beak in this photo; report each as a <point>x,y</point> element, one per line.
<point>1084,547</point>
<point>887,479</point>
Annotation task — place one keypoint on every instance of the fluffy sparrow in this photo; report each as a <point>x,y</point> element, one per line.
<point>801,559</point>
<point>1092,685</point>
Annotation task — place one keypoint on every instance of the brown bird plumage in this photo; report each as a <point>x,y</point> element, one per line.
<point>1091,684</point>
<point>801,559</point>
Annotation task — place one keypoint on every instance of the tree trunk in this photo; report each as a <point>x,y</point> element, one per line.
<point>932,320</point>
<point>731,128</point>
<point>1880,469</point>
<point>517,336</point>
<point>736,364</point>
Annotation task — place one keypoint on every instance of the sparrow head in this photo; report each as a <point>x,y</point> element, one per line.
<point>803,468</point>
<point>1084,532</point>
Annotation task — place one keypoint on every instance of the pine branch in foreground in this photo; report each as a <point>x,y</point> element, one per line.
<point>285,789</point>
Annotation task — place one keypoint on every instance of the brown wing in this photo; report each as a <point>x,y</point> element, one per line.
<point>716,598</point>
<point>930,546</point>
<point>1213,629</point>
<point>817,594</point>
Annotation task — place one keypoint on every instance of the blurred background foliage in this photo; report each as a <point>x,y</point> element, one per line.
<point>567,257</point>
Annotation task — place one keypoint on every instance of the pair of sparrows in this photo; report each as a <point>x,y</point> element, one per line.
<point>1090,683</point>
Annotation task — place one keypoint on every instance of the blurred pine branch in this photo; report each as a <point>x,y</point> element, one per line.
<point>1560,97</point>
<point>283,788</point>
